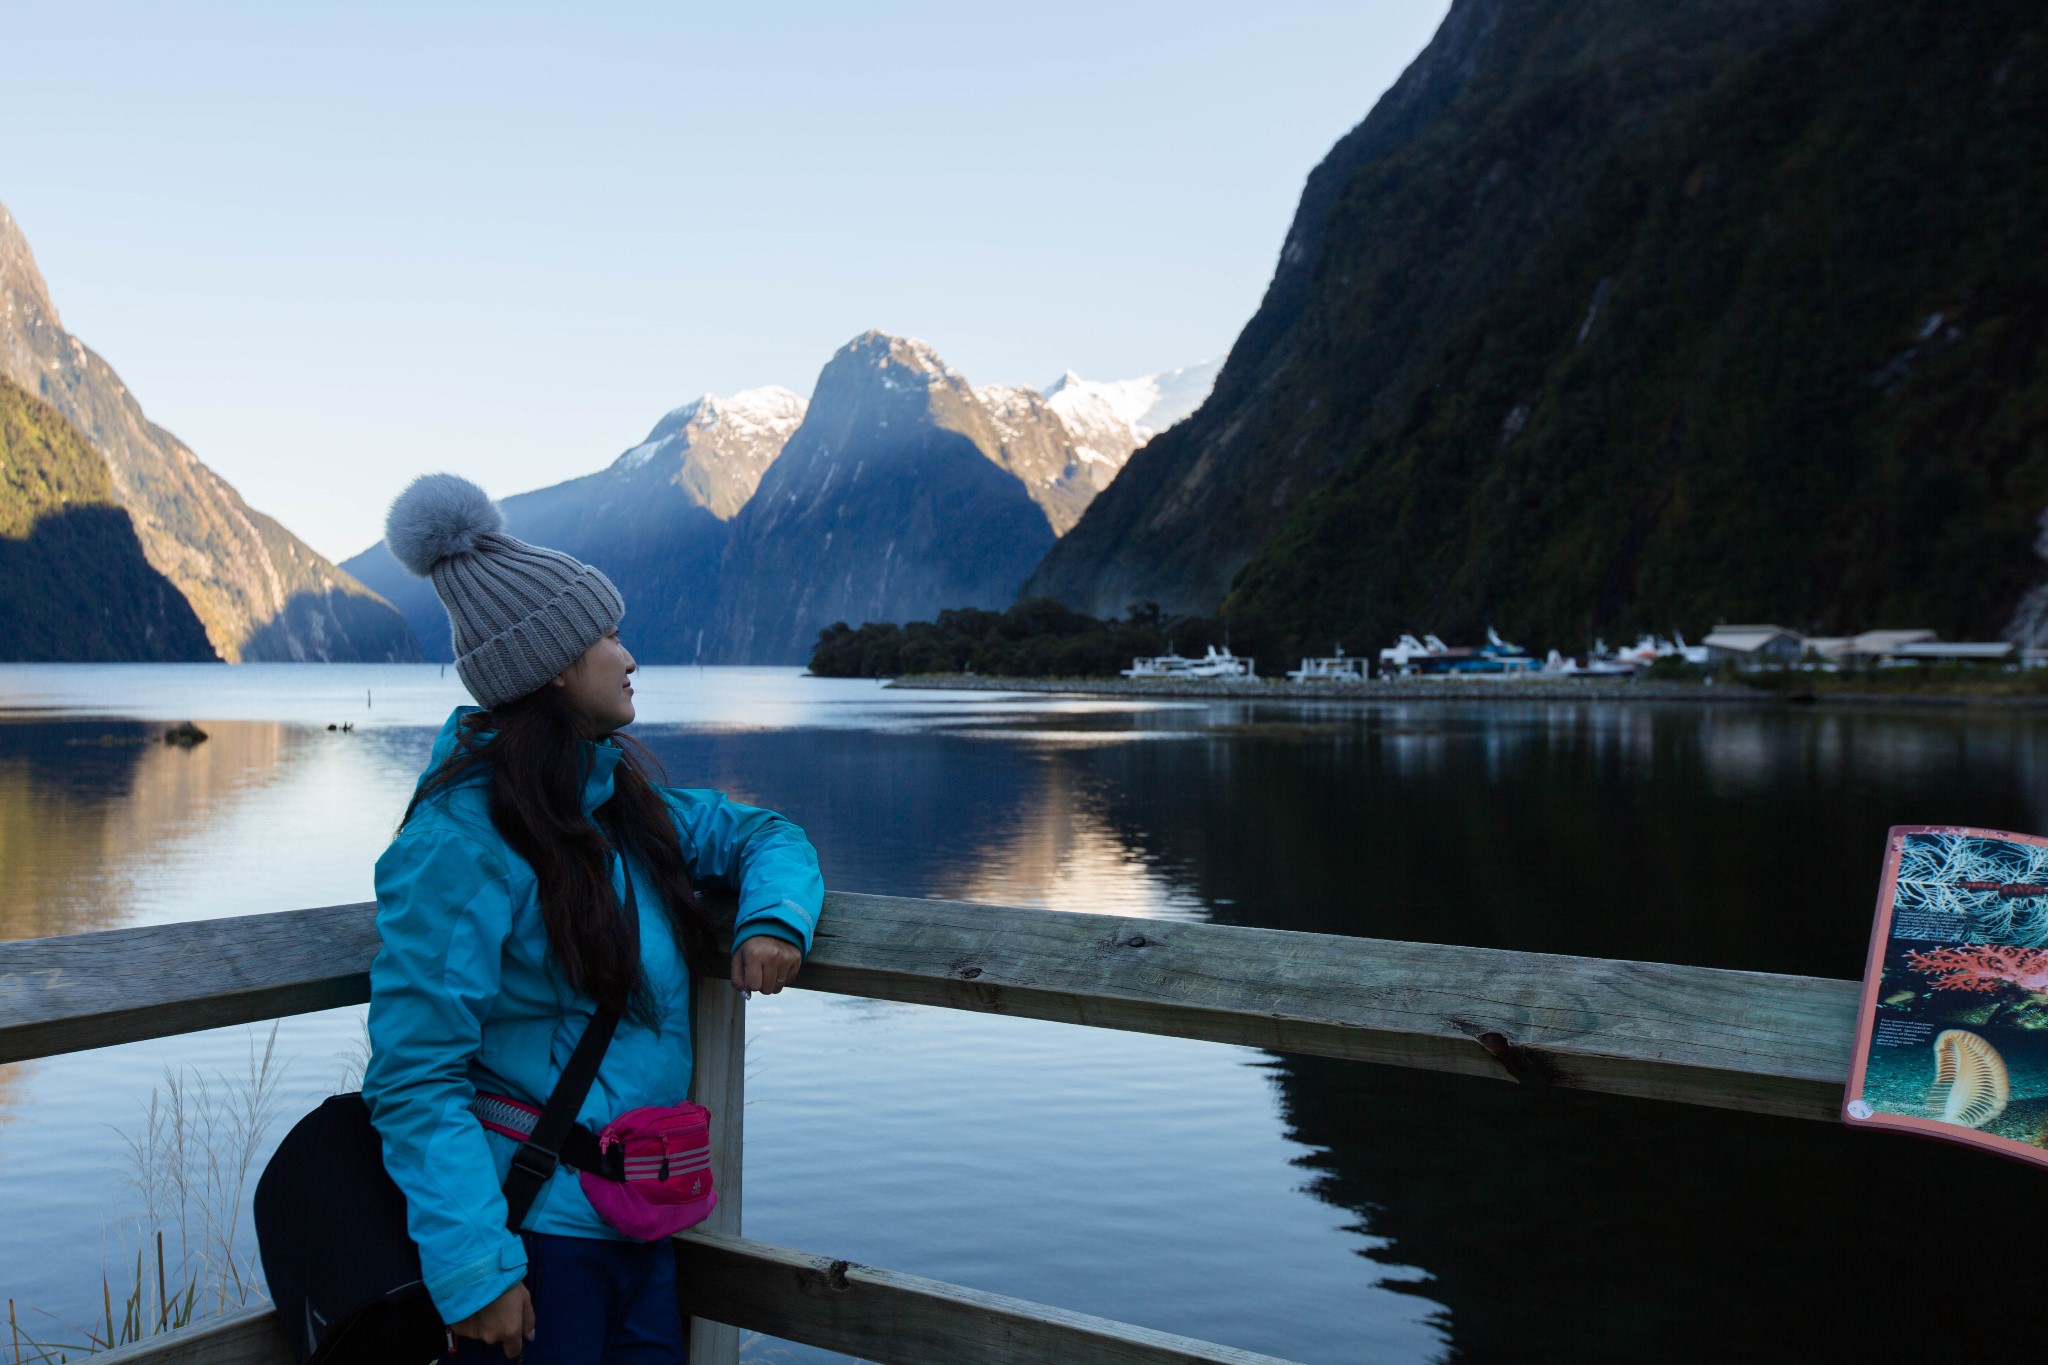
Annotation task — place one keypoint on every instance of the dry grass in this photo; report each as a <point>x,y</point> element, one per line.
<point>190,1166</point>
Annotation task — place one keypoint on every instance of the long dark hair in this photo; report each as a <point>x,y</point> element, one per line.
<point>531,749</point>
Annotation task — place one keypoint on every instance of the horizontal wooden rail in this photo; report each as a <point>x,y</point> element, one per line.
<point>1739,1040</point>
<point>83,991</point>
<point>877,1315</point>
<point>900,1319</point>
<point>1742,1040</point>
<point>248,1336</point>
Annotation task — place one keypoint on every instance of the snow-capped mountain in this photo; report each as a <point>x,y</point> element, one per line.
<point>739,527</point>
<point>1110,418</point>
<point>1028,438</point>
<point>1068,441</point>
<point>914,491</point>
<point>655,519</point>
<point>909,493</point>
<point>717,448</point>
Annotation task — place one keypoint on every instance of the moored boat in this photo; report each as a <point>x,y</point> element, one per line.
<point>1338,667</point>
<point>1431,657</point>
<point>1213,665</point>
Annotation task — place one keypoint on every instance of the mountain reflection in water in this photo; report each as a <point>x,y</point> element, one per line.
<point>103,825</point>
<point>1523,1224</point>
<point>1551,1225</point>
<point>1561,1226</point>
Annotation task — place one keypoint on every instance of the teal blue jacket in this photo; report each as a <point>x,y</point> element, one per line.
<point>464,996</point>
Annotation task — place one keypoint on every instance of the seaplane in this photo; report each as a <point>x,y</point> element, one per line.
<point>1410,655</point>
<point>1649,648</point>
<point>1430,656</point>
<point>1601,662</point>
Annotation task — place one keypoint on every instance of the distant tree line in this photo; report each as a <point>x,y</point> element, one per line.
<point>1036,638</point>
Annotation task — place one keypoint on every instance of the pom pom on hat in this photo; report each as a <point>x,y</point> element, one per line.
<point>438,515</point>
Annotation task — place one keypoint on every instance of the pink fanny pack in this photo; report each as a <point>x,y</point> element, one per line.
<point>647,1172</point>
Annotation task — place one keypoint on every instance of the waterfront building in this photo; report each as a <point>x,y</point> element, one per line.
<point>1754,646</point>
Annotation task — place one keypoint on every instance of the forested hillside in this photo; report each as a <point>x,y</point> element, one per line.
<point>1620,316</point>
<point>74,584</point>
<point>260,591</point>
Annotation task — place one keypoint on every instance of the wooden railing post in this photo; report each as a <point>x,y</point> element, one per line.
<point>718,1020</point>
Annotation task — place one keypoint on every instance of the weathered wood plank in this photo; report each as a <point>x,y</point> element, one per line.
<point>83,991</point>
<point>897,1319</point>
<point>879,1315</point>
<point>80,991</point>
<point>1742,1040</point>
<point>718,1022</point>
<point>248,1337</point>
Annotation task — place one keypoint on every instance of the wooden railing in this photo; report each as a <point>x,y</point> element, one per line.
<point>1738,1040</point>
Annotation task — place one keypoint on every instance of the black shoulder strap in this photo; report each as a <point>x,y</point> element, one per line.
<point>538,1156</point>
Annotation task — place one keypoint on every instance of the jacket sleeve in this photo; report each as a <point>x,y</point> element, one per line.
<point>756,852</point>
<point>444,912</point>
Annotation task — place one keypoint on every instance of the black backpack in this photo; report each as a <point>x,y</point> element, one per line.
<point>330,1221</point>
<point>331,1224</point>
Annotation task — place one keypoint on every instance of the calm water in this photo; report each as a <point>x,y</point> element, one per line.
<point>1324,1211</point>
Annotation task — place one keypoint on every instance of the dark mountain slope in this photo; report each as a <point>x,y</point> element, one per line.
<point>1631,334</point>
<point>1194,504</point>
<point>74,583</point>
<point>900,495</point>
<point>261,592</point>
<point>1783,355</point>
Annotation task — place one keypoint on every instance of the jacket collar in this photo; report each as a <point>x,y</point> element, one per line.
<point>600,760</point>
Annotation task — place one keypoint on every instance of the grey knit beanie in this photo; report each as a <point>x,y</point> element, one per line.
<point>518,614</point>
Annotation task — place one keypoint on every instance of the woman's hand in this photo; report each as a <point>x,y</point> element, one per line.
<point>765,963</point>
<point>505,1321</point>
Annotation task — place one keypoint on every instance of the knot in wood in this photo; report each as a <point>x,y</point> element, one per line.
<point>831,1279</point>
<point>969,973</point>
<point>1137,941</point>
<point>1530,1068</point>
<point>1521,1063</point>
<point>1503,1052</point>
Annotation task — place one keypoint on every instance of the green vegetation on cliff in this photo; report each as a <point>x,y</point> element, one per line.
<point>1781,354</point>
<point>74,584</point>
<point>1037,638</point>
<point>1631,316</point>
<point>261,592</point>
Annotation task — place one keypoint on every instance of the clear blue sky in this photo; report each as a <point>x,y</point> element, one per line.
<point>331,247</point>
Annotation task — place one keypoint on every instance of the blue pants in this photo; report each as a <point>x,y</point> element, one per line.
<point>597,1302</point>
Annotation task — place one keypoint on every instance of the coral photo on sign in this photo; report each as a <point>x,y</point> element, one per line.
<point>1952,1037</point>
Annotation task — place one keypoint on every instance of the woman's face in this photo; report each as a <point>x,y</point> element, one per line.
<point>598,687</point>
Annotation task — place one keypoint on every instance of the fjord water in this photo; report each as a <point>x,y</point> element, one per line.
<point>1318,1210</point>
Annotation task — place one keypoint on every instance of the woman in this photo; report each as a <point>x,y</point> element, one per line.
<point>501,910</point>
